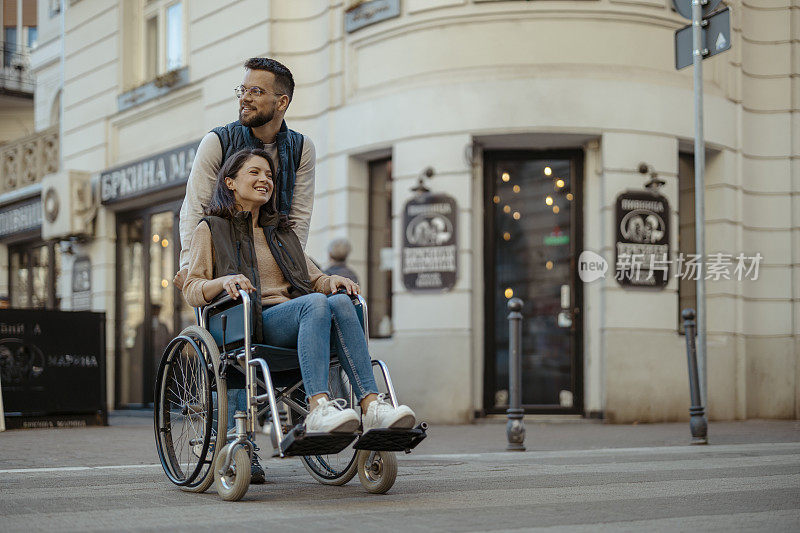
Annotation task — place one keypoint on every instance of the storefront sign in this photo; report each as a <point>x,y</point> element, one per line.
<point>82,284</point>
<point>21,217</point>
<point>52,364</point>
<point>146,175</point>
<point>366,13</point>
<point>430,250</point>
<point>642,245</point>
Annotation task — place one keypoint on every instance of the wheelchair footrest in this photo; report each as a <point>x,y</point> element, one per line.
<point>391,440</point>
<point>298,442</point>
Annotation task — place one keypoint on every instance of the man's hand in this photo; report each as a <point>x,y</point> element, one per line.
<point>180,278</point>
<point>337,282</point>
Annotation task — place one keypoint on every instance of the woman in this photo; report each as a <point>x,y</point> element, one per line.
<point>243,241</point>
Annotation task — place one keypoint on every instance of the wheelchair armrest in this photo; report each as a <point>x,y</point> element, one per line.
<point>222,302</point>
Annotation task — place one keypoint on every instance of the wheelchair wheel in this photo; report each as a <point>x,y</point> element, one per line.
<point>232,484</point>
<point>340,468</point>
<point>332,469</point>
<point>190,409</point>
<point>377,471</point>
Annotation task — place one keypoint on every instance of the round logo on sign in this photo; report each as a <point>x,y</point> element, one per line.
<point>429,230</point>
<point>642,226</point>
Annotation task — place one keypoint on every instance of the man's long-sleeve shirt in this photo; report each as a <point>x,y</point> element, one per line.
<point>203,177</point>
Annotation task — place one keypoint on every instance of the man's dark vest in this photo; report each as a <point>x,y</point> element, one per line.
<point>234,137</point>
<point>234,253</point>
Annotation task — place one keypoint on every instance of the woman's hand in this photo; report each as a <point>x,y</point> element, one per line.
<point>347,284</point>
<point>229,284</point>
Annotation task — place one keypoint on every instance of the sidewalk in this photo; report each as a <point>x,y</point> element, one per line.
<point>129,439</point>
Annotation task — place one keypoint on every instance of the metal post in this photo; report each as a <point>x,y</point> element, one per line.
<point>697,422</point>
<point>515,428</point>
<point>699,191</point>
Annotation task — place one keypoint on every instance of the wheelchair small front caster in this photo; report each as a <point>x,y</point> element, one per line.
<point>377,471</point>
<point>232,484</point>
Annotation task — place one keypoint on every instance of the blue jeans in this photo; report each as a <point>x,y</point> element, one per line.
<point>305,323</point>
<point>237,401</point>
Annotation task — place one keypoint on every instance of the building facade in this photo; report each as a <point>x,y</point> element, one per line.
<point>534,116</point>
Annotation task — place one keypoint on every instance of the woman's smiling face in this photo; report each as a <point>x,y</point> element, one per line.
<point>253,185</point>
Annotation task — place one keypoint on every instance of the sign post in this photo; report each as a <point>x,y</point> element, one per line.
<point>705,24</point>
<point>699,191</point>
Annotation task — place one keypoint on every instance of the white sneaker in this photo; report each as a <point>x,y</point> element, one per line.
<point>382,414</point>
<point>331,416</point>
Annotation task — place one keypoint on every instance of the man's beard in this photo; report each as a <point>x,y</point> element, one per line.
<point>257,120</point>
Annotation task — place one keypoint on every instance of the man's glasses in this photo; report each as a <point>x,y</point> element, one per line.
<point>254,91</point>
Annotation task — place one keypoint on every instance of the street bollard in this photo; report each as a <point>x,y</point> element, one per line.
<point>697,422</point>
<point>515,428</point>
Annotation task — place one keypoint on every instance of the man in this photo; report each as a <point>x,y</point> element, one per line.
<point>338,250</point>
<point>264,96</point>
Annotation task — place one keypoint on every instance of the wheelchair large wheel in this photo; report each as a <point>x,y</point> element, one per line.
<point>190,409</point>
<point>339,468</point>
<point>377,471</point>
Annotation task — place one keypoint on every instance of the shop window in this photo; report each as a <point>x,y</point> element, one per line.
<point>34,270</point>
<point>687,295</point>
<point>379,249</point>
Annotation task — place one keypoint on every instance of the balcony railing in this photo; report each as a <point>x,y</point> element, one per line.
<point>15,72</point>
<point>25,161</point>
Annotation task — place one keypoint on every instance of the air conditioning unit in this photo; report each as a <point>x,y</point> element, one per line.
<point>67,204</point>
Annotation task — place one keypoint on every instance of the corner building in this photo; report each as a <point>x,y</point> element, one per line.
<point>534,116</point>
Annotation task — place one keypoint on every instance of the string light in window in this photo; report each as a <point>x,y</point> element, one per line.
<point>164,243</point>
<point>569,196</point>
<point>516,215</point>
<point>506,236</point>
<point>516,188</point>
<point>496,199</point>
<point>559,183</point>
<point>509,293</point>
<point>164,283</point>
<point>549,265</point>
<point>549,200</point>
<point>556,209</point>
<point>506,209</point>
<point>156,237</point>
<point>506,177</point>
<point>548,171</point>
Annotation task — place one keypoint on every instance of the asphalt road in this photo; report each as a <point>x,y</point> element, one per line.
<point>730,487</point>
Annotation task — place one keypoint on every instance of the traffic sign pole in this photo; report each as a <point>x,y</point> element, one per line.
<point>699,193</point>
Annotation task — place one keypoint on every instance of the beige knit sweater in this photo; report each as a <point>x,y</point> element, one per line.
<point>274,287</point>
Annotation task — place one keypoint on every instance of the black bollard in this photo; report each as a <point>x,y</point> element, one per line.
<point>697,422</point>
<point>515,428</point>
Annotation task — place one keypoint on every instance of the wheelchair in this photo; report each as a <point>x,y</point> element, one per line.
<point>194,444</point>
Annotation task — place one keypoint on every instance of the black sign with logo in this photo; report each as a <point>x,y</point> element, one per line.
<point>52,363</point>
<point>642,244</point>
<point>430,249</point>
<point>82,284</point>
<point>150,174</point>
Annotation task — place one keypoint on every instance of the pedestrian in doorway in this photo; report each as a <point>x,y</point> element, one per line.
<point>338,250</point>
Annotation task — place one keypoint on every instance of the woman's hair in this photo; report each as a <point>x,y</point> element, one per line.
<point>223,201</point>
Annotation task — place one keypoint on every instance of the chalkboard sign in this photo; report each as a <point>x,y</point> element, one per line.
<point>642,244</point>
<point>430,250</point>
<point>52,365</point>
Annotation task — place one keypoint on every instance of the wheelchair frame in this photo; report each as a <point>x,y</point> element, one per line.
<point>372,448</point>
<point>252,381</point>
